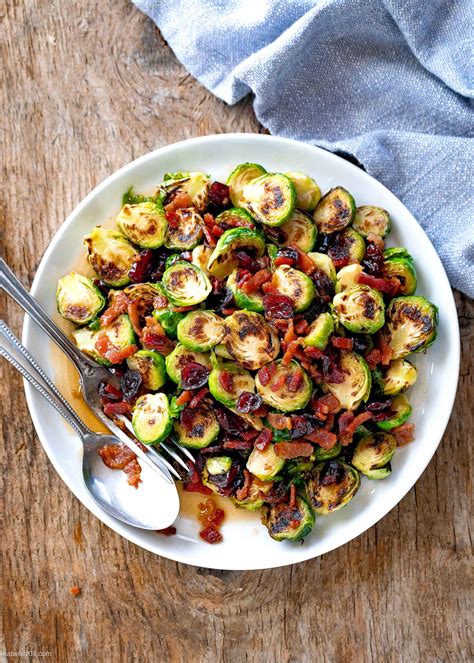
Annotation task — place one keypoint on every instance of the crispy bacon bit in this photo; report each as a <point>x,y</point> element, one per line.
<point>75,591</point>
<point>160,302</point>
<point>118,306</point>
<point>133,310</point>
<point>314,353</point>
<point>167,531</point>
<point>109,351</point>
<point>269,289</point>
<point>154,337</point>
<point>263,440</point>
<point>278,382</point>
<point>324,438</point>
<point>255,282</point>
<point>182,309</point>
<point>120,457</point>
<point>292,496</point>
<point>294,381</point>
<point>266,373</point>
<point>293,449</point>
<point>349,424</point>
<point>301,327</point>
<point>197,398</point>
<point>211,535</point>
<point>290,351</point>
<point>342,343</point>
<point>209,220</point>
<point>243,492</point>
<point>194,483</point>
<point>210,517</point>
<point>305,264</point>
<point>208,237</point>
<point>404,434</point>
<point>384,285</point>
<point>279,421</point>
<point>327,404</point>
<point>120,407</point>
<point>216,231</point>
<point>133,471</point>
<point>179,201</point>
<point>376,240</point>
<point>239,445</point>
<point>184,398</point>
<point>373,358</point>
<point>290,332</point>
<point>386,351</point>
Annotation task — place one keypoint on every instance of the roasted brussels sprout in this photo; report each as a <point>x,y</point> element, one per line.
<point>110,255</point>
<point>218,474</point>
<point>360,309</point>
<point>369,219</point>
<point>290,523</point>
<point>185,284</point>
<point>357,381</point>
<point>143,293</point>
<point>228,381</point>
<point>249,339</point>
<point>169,320</point>
<point>151,419</point>
<point>331,485</point>
<point>151,366</point>
<point>411,325</point>
<point>308,192</point>
<point>298,466</point>
<point>200,257</point>
<point>321,454</point>
<point>295,285</point>
<point>373,454</point>
<point>348,244</point>
<point>325,264</point>
<point>177,360</point>
<point>399,263</point>
<point>195,184</point>
<point>400,375</point>
<point>348,277</point>
<point>256,495</point>
<point>224,260</point>
<point>300,231</point>
<point>402,410</point>
<point>235,217</point>
<point>186,231</point>
<point>250,302</point>
<point>334,211</point>
<point>197,427</point>
<point>265,465</point>
<point>240,177</point>
<point>200,330</point>
<point>120,333</point>
<point>144,224</point>
<point>288,389</point>
<point>319,331</point>
<point>270,199</point>
<point>78,299</point>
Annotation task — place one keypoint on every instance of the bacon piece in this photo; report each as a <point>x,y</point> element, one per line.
<point>292,496</point>
<point>134,315</point>
<point>349,426</point>
<point>263,440</point>
<point>327,404</point>
<point>294,381</point>
<point>209,220</point>
<point>290,333</point>
<point>182,309</point>
<point>278,421</point>
<point>342,343</point>
<point>373,358</point>
<point>293,449</point>
<point>120,457</point>
<point>324,438</point>
<point>184,398</point>
<point>386,351</point>
<point>266,373</point>
<point>216,231</point>
<point>194,483</point>
<point>197,398</point>
<point>404,434</point>
<point>118,306</point>
<point>291,350</point>
<point>120,407</point>
<point>384,285</point>
<point>305,264</point>
<point>154,337</point>
<point>179,201</point>
<point>254,283</point>
<point>209,238</point>
<point>243,492</point>
<point>239,445</point>
<point>301,327</point>
<point>109,351</point>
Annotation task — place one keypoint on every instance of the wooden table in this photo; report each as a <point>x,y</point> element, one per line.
<point>87,87</point>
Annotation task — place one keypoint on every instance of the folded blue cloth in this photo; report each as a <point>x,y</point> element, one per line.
<point>386,81</point>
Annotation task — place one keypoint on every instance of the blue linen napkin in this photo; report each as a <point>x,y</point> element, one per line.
<point>387,81</point>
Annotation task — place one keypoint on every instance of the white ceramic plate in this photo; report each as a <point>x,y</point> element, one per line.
<point>246,543</point>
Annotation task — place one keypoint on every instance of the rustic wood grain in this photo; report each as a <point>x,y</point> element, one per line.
<point>87,87</point>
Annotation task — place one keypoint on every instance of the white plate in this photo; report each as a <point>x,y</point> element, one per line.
<point>246,544</point>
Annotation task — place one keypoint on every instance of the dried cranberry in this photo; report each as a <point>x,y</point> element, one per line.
<point>247,261</point>
<point>141,267</point>
<point>373,260</point>
<point>277,494</point>
<point>219,195</point>
<point>323,243</point>
<point>276,235</point>
<point>361,343</point>
<point>331,473</point>
<point>130,384</point>
<point>194,375</point>
<point>248,402</point>
<point>230,422</point>
<point>339,249</point>
<point>378,406</point>
<point>278,306</point>
<point>288,254</point>
<point>324,285</point>
<point>317,307</point>
<point>301,425</point>
<point>332,373</point>
<point>220,300</point>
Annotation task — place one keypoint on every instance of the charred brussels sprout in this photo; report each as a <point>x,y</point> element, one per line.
<point>200,257</point>
<point>295,285</point>
<point>240,177</point>
<point>110,255</point>
<point>151,366</point>
<point>218,474</point>
<point>402,410</point>
<point>169,320</point>
<point>200,330</point>
<point>77,298</point>
<point>319,331</point>
<point>249,340</point>
<point>300,231</point>
<point>120,334</point>
<point>331,485</point>
<point>400,375</point>
<point>411,325</point>
<point>373,454</point>
<point>228,381</point>
<point>399,263</point>
<point>194,184</point>
<point>357,382</point>
<point>321,454</point>
<point>186,231</point>
<point>348,277</point>
<point>185,284</point>
<point>265,465</point>
<point>270,199</point>
<point>290,523</point>
<point>250,302</point>
<point>369,219</point>
<point>177,360</point>
<point>348,244</point>
<point>151,419</point>
<point>334,211</point>
<point>224,260</point>
<point>288,389</point>
<point>325,264</point>
<point>144,224</point>
<point>197,427</point>
<point>360,309</point>
<point>235,217</point>
<point>255,498</point>
<point>142,293</point>
<point>308,192</point>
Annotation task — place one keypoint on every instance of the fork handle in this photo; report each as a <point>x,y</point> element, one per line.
<point>13,288</point>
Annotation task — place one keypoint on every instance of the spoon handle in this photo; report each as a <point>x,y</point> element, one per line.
<point>19,357</point>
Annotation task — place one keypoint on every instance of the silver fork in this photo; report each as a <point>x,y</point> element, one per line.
<point>91,375</point>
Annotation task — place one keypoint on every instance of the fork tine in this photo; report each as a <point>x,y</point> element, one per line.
<point>174,455</point>
<point>184,451</point>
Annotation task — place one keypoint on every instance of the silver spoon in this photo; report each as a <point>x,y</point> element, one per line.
<point>153,505</point>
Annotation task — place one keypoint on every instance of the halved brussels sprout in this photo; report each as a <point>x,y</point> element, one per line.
<point>270,199</point>
<point>186,231</point>
<point>348,277</point>
<point>110,255</point>
<point>223,259</point>
<point>249,339</point>
<point>177,360</point>
<point>235,217</point>
<point>308,192</point>
<point>399,263</point>
<point>357,381</point>
<point>373,454</point>
<point>151,366</point>
<point>265,465</point>
<point>200,257</point>
<point>298,466</point>
<point>217,472</point>
<point>331,485</point>
<point>289,388</point>
<point>290,523</point>
<point>295,285</point>
<point>120,333</point>
<point>169,320</point>
<point>195,184</point>
<point>369,219</point>
<point>325,264</point>
<point>78,299</point>
<point>402,408</point>
<point>360,309</point>
<point>151,419</point>
<point>240,177</point>
<point>221,351</point>
<point>185,284</point>
<point>400,375</point>
<point>251,302</point>
<point>200,330</point>
<point>411,325</point>
<point>321,454</point>
<point>348,244</point>
<point>197,428</point>
<point>144,293</point>
<point>256,495</point>
<point>228,381</point>
<point>334,211</point>
<point>319,331</point>
<point>300,231</point>
<point>144,224</point>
